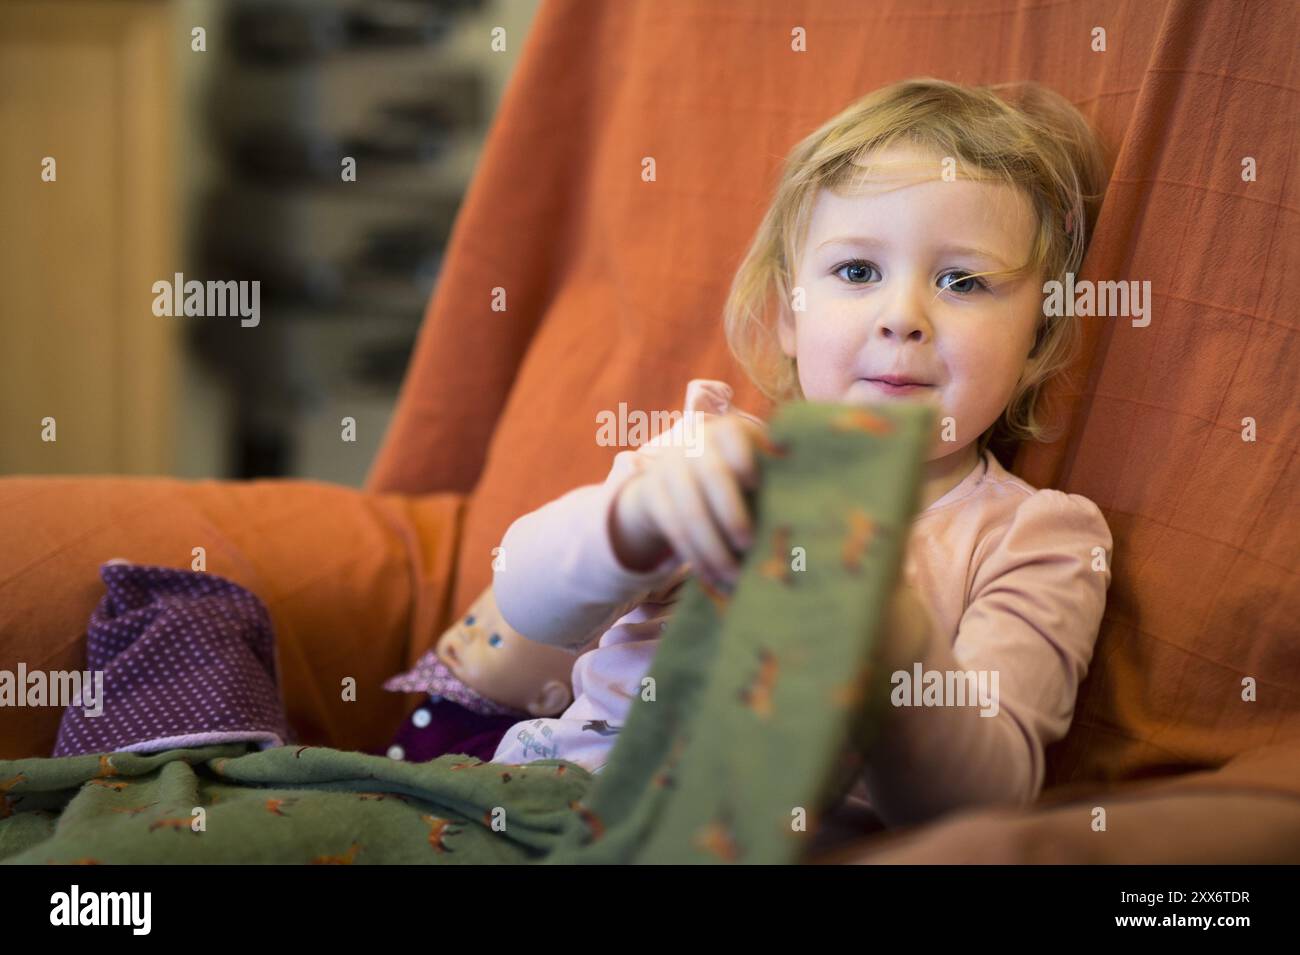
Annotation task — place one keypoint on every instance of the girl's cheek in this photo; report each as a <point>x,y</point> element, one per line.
<point>814,349</point>
<point>970,369</point>
<point>987,346</point>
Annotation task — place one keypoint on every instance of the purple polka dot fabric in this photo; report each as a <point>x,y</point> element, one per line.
<point>188,659</point>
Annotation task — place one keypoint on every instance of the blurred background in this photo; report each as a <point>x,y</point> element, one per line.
<point>226,163</point>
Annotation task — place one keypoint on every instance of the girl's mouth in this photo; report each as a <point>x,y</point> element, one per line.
<point>895,386</point>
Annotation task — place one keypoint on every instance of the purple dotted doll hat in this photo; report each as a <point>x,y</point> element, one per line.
<point>187,658</point>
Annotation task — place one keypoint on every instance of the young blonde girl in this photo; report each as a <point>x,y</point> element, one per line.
<point>903,259</point>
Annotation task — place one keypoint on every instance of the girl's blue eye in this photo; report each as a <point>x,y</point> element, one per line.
<point>469,621</point>
<point>857,265</point>
<point>494,640</point>
<point>969,284</point>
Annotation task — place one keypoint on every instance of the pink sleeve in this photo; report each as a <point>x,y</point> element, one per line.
<point>1037,603</point>
<point>558,580</point>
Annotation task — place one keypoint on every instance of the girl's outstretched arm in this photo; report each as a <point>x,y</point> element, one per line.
<point>558,578</point>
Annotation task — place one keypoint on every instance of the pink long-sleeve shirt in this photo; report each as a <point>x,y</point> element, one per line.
<point>1014,580</point>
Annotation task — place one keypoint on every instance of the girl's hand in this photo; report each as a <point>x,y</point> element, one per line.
<point>693,506</point>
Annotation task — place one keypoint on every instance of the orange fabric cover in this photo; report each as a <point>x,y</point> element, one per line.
<point>615,287</point>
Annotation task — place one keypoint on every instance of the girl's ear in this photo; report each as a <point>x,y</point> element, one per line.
<point>1040,336</point>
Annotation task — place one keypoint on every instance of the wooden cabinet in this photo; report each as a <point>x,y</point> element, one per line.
<point>91,84</point>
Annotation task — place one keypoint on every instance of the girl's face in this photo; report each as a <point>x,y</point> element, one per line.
<point>870,270</point>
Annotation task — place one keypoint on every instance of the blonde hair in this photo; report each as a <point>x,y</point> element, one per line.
<point>1022,134</point>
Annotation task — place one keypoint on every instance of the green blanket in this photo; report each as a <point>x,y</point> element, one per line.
<point>229,804</point>
<point>754,720</point>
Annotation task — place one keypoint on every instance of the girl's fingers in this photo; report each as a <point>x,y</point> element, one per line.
<point>660,509</point>
<point>720,393</point>
<point>696,501</point>
<point>689,489</point>
<point>724,497</point>
<point>734,441</point>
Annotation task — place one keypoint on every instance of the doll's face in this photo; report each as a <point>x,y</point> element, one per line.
<point>488,655</point>
<point>885,294</point>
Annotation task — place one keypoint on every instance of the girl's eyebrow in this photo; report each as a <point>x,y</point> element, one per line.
<point>871,242</point>
<point>972,250</point>
<point>862,240</point>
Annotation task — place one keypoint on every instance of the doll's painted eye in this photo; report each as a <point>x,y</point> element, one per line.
<point>469,621</point>
<point>494,640</point>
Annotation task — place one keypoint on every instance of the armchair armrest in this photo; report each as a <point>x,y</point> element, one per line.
<point>357,584</point>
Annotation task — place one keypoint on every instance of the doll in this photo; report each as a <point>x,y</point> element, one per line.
<point>482,677</point>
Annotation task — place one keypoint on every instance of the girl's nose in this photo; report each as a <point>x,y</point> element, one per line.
<point>902,329</point>
<point>904,320</point>
<point>902,315</point>
<point>904,325</point>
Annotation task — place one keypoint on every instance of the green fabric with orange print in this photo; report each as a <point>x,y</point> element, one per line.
<point>282,805</point>
<point>761,707</point>
<point>764,704</point>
